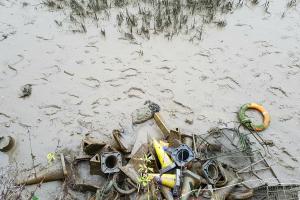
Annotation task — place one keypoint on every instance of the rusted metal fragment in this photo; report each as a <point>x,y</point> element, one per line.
<point>221,194</point>
<point>63,163</point>
<point>131,169</point>
<point>187,139</point>
<point>95,166</point>
<point>140,153</point>
<point>161,125</point>
<point>182,155</point>
<point>110,162</point>
<point>83,187</point>
<point>210,170</point>
<point>92,145</point>
<point>174,138</point>
<point>198,179</point>
<point>81,158</point>
<point>81,179</point>
<point>223,176</point>
<point>124,139</point>
<point>122,191</point>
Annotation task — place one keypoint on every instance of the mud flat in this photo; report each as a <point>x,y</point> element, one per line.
<point>88,83</point>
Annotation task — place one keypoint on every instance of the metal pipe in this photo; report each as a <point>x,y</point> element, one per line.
<point>186,187</point>
<point>187,180</point>
<point>161,124</point>
<point>166,192</point>
<point>222,193</point>
<point>54,172</point>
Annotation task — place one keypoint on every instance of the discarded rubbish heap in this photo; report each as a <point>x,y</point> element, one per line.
<point>176,166</point>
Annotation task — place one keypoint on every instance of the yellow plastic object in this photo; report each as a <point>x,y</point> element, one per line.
<point>163,157</point>
<point>168,180</point>
<point>163,143</point>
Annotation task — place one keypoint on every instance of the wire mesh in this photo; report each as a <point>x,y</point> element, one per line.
<point>279,192</point>
<point>230,146</point>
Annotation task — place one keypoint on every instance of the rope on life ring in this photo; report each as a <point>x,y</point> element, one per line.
<point>246,121</point>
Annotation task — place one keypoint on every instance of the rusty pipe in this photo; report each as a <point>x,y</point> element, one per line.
<point>186,187</point>
<point>188,181</point>
<point>54,172</point>
<point>222,193</point>
<point>166,191</point>
<point>241,195</point>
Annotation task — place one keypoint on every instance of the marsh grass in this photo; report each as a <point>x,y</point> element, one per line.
<point>144,18</point>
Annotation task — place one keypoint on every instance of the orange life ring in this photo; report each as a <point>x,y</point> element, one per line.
<point>245,120</point>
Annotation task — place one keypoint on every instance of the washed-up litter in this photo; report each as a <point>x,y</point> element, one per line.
<point>25,91</point>
<point>6,143</point>
<point>179,165</point>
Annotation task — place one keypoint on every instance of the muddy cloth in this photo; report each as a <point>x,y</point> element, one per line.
<point>25,91</point>
<point>143,114</point>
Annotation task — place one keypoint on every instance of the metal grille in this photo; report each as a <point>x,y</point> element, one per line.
<point>280,192</point>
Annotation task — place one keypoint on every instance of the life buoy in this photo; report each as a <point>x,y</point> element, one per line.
<point>248,123</point>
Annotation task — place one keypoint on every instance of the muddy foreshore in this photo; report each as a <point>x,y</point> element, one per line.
<point>88,84</point>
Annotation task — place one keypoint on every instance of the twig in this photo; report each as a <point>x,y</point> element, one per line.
<point>31,153</point>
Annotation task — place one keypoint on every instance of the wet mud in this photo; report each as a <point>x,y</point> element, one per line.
<point>87,84</point>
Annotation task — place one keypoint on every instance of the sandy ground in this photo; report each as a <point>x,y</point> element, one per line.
<point>90,84</point>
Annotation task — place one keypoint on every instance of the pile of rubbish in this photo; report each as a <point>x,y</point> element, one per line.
<point>183,166</point>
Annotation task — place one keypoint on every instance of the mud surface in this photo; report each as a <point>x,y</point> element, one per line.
<point>88,84</point>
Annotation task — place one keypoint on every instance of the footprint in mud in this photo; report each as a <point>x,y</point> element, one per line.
<point>101,102</point>
<point>227,82</point>
<point>55,69</point>
<point>91,82</point>
<point>167,94</point>
<point>72,99</point>
<point>263,43</point>
<point>49,71</point>
<point>178,107</point>
<point>203,77</point>
<point>206,54</point>
<point>86,124</point>
<point>166,69</point>
<point>10,72</point>
<point>265,53</point>
<point>84,113</point>
<point>244,25</point>
<point>129,72</point>
<point>284,150</point>
<point>45,38</point>
<point>69,73</point>
<point>116,82</point>
<point>277,91</point>
<point>17,61</point>
<point>50,110</point>
<point>201,117</point>
<point>118,60</point>
<point>79,62</point>
<point>285,118</point>
<point>6,31</point>
<point>5,119</point>
<point>135,92</point>
<point>264,76</point>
